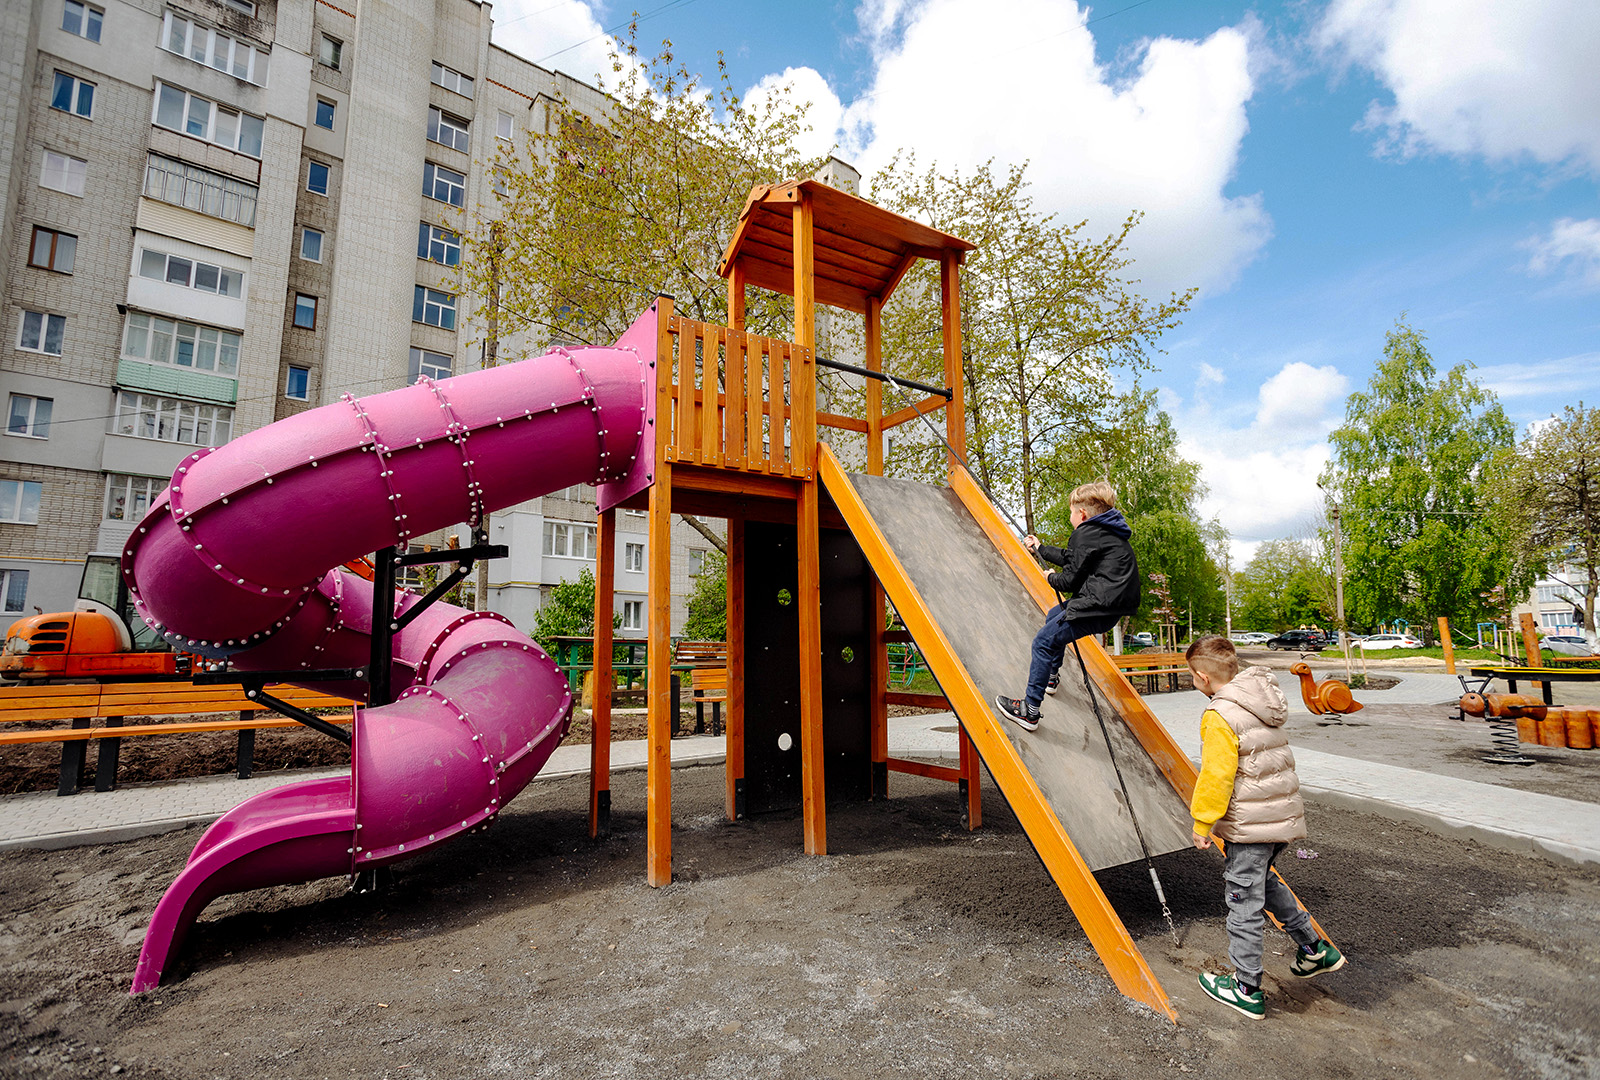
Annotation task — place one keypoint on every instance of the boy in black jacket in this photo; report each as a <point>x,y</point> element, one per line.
<point>1099,569</point>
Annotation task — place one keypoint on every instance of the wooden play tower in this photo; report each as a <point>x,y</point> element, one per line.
<point>744,447</point>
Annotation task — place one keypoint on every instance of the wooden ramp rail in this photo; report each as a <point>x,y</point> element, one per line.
<point>114,702</point>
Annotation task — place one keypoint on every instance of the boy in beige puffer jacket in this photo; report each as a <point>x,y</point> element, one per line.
<point>1248,796</point>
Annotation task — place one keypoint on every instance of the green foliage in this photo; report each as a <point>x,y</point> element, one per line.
<point>601,216</point>
<point>568,611</point>
<point>1047,315</point>
<point>708,600</point>
<point>1407,469</point>
<point>1547,494</point>
<point>1281,587</point>
<point>1159,492</point>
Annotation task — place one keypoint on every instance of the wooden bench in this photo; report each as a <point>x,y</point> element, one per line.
<point>707,664</point>
<point>114,702</point>
<point>1151,665</point>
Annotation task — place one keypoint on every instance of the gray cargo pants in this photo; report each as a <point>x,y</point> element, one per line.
<point>1251,888</point>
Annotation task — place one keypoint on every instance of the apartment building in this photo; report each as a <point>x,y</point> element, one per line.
<point>1556,601</point>
<point>219,213</point>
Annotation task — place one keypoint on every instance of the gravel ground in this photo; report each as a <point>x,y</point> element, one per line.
<point>914,949</point>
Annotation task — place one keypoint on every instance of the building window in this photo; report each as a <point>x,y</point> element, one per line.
<point>146,416</point>
<point>29,415</point>
<point>213,48</point>
<point>569,540</point>
<point>182,344</point>
<point>324,118</point>
<point>501,179</point>
<point>451,79</point>
<point>176,270</point>
<point>240,5</point>
<point>63,173</point>
<point>14,588</point>
<point>633,558</point>
<point>446,185</point>
<point>316,178</point>
<point>19,501</point>
<point>72,94</point>
<point>434,308</point>
<point>633,614</point>
<point>438,245</point>
<point>433,365</point>
<point>448,130</point>
<point>128,497</point>
<point>305,311</point>
<point>201,190</point>
<point>204,119</point>
<point>504,126</point>
<point>41,332</point>
<point>329,52</point>
<point>310,245</point>
<point>298,383</point>
<point>51,250</point>
<point>82,19</point>
<point>697,561</point>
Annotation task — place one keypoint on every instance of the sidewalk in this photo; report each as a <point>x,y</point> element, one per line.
<point>1563,829</point>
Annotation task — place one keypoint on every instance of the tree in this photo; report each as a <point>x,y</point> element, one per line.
<point>1047,315</point>
<point>1279,587</point>
<point>1135,448</point>
<point>708,601</point>
<point>568,611</point>
<point>602,214</point>
<point>1549,495</point>
<point>1407,468</point>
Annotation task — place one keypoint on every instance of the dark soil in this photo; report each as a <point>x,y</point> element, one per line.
<point>913,949</point>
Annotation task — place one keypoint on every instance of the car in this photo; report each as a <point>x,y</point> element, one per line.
<point>1251,637</point>
<point>1299,641</point>
<point>1569,645</point>
<point>1390,641</point>
<point>1144,637</point>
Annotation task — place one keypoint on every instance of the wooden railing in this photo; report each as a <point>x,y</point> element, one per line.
<point>733,397</point>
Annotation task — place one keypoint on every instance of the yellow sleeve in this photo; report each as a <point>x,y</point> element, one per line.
<point>1219,761</point>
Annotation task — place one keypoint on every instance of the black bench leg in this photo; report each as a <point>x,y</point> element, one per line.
<point>105,766</point>
<point>72,758</point>
<point>699,716</point>
<point>247,752</point>
<point>677,702</point>
<point>716,718</point>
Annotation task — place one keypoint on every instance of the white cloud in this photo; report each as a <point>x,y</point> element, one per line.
<point>1574,375</point>
<point>1209,376</point>
<point>1261,468</point>
<point>1507,81</point>
<point>1568,239</point>
<point>561,36</point>
<point>963,81</point>
<point>806,85</point>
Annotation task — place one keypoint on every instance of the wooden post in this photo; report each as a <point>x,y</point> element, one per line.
<point>736,296</point>
<point>808,526</point>
<point>970,784</point>
<point>1448,645</point>
<point>736,663</point>
<point>600,734</point>
<point>1530,645</point>
<point>955,416</point>
<point>874,387</point>
<point>658,826</point>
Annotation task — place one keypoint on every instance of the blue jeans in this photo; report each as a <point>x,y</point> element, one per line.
<point>1252,890</point>
<point>1050,646</point>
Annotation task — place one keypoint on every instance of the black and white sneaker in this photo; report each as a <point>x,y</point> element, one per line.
<point>1017,712</point>
<point>1054,684</point>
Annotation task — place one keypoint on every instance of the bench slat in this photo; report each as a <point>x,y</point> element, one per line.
<point>17,738</point>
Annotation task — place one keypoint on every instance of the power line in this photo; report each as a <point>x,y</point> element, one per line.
<point>613,31</point>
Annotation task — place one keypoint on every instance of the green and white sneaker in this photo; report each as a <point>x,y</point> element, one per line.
<point>1323,957</point>
<point>1226,989</point>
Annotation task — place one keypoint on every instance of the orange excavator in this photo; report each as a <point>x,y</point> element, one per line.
<point>100,638</point>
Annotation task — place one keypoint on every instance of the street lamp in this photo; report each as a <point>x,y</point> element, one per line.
<point>1338,576</point>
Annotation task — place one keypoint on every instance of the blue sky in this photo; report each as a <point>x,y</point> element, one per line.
<point>1317,167</point>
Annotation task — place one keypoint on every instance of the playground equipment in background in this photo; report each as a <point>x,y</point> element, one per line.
<point>680,417</point>
<point>1327,698</point>
<point>476,708</point>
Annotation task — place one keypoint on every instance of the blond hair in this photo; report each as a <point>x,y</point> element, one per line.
<point>1096,498</point>
<point>1214,655</point>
